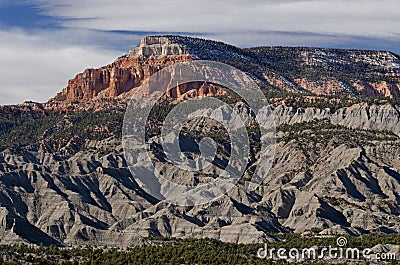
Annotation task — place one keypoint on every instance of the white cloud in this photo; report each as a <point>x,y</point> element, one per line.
<point>304,39</point>
<point>36,67</point>
<point>354,17</point>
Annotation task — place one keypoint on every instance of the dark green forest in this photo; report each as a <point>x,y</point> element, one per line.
<point>182,251</point>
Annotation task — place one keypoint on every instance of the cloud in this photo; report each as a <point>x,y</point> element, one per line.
<point>36,67</point>
<point>307,39</point>
<point>352,17</point>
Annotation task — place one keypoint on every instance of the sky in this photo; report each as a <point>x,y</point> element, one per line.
<point>44,43</point>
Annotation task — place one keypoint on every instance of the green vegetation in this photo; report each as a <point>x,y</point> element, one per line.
<point>21,128</point>
<point>29,126</point>
<point>322,131</point>
<point>311,138</point>
<point>178,251</point>
<point>297,100</point>
<point>91,125</point>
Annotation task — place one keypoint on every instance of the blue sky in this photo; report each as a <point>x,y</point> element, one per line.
<point>43,43</point>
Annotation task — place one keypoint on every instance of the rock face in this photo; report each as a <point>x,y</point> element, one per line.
<point>335,71</point>
<point>347,182</point>
<point>376,118</point>
<point>336,171</point>
<point>111,81</point>
<point>304,70</point>
<point>158,46</point>
<point>128,72</point>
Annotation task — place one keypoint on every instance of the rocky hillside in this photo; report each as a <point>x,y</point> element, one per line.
<point>336,72</point>
<point>304,70</point>
<point>335,172</point>
<point>64,179</point>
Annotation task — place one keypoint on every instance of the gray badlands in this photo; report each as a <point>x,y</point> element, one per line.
<point>336,170</point>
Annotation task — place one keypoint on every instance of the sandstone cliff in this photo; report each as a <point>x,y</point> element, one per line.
<point>64,179</point>
<point>304,70</point>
